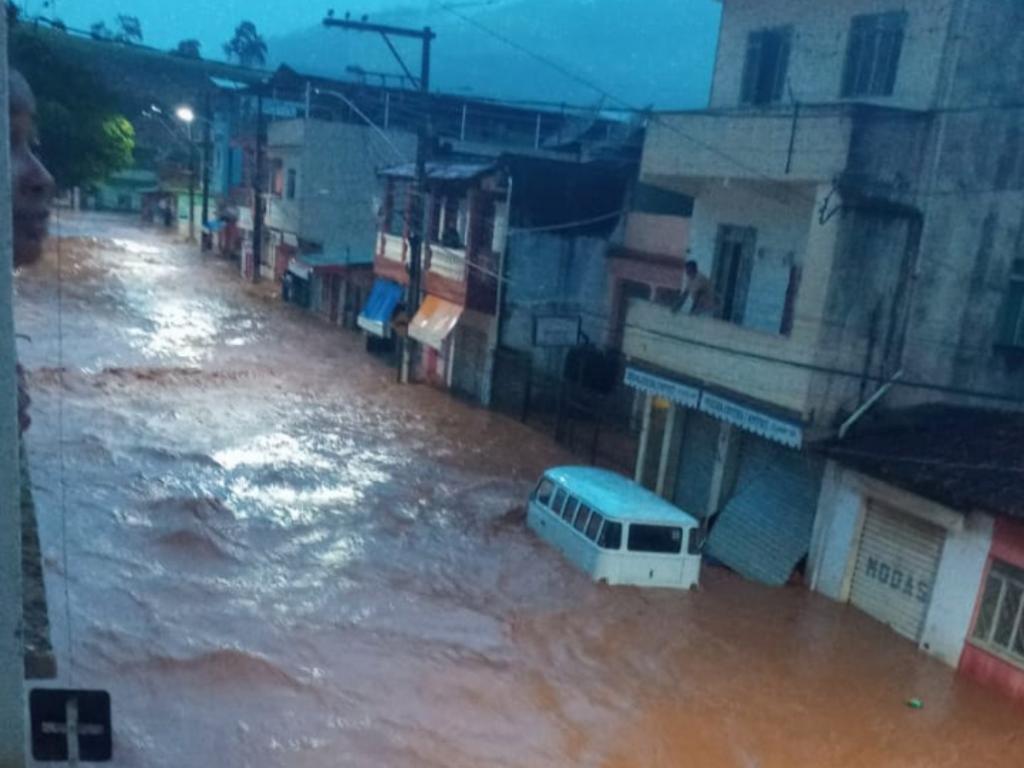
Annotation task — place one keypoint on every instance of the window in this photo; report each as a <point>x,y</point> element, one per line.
<point>611,536</point>
<point>545,490</point>
<point>766,65</point>
<point>290,190</point>
<point>570,510</point>
<point>1011,330</point>
<point>276,177</point>
<point>999,625</point>
<point>395,208</point>
<point>560,496</point>
<point>594,526</point>
<point>873,54</point>
<point>655,538</point>
<point>580,524</point>
<point>734,262</point>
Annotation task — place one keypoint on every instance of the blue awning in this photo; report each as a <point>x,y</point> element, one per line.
<point>380,306</point>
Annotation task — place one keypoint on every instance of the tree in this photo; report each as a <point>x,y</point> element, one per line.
<point>188,49</point>
<point>130,29</point>
<point>247,46</point>
<point>83,136</point>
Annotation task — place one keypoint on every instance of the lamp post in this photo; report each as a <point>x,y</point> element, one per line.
<point>187,116</point>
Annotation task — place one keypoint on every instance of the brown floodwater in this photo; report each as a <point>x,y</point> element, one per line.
<point>276,556</point>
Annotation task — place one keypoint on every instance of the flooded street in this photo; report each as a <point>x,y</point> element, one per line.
<point>276,556</point>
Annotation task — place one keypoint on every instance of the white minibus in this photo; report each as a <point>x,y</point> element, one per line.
<point>615,530</point>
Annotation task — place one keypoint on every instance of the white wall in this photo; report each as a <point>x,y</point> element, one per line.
<point>956,588</point>
<point>820,33</point>
<point>838,524</point>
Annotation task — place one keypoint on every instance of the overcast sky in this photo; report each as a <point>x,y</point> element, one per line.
<point>212,22</point>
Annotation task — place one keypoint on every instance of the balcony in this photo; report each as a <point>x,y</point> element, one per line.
<point>392,257</point>
<point>808,144</point>
<point>723,355</point>
<point>449,263</point>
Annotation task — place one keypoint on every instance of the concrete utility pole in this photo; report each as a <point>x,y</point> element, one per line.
<point>12,662</point>
<point>257,185</point>
<point>418,209</point>
<point>207,126</point>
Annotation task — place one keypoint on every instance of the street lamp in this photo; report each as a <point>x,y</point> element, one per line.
<point>187,116</point>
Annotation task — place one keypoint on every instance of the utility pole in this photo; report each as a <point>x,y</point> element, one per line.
<point>257,184</point>
<point>207,126</point>
<point>191,186</point>
<point>418,209</point>
<point>12,657</point>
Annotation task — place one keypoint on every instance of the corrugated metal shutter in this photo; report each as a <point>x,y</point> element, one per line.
<point>696,463</point>
<point>896,566</point>
<point>764,530</point>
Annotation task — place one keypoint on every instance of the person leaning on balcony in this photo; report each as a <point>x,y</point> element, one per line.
<point>697,289</point>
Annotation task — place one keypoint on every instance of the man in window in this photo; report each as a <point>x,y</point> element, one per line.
<point>698,291</point>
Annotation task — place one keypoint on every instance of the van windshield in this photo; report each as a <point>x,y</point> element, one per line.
<point>665,539</point>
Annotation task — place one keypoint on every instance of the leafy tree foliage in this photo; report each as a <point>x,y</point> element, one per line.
<point>188,49</point>
<point>247,46</point>
<point>82,135</point>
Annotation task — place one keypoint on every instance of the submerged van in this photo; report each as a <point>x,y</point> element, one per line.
<point>615,530</point>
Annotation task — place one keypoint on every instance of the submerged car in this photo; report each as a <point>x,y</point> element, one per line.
<point>614,529</point>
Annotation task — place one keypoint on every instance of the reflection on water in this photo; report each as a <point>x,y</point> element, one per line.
<point>277,557</point>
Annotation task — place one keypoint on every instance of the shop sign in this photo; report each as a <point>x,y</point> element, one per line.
<point>675,391</point>
<point>751,420</point>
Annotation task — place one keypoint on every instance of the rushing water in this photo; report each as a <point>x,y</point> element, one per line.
<point>276,556</point>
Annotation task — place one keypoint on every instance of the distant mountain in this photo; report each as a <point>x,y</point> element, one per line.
<point>645,52</point>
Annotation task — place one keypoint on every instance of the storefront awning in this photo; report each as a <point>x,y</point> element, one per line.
<point>379,307</point>
<point>300,270</point>
<point>436,319</point>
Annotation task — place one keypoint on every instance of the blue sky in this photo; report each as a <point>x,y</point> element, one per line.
<point>165,22</point>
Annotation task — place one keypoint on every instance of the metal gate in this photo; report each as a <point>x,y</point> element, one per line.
<point>470,362</point>
<point>897,561</point>
<point>696,463</point>
<point>764,529</point>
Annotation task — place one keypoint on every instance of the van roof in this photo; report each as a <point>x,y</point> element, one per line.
<point>618,497</point>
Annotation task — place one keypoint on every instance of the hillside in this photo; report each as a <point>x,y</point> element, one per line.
<point>654,52</point>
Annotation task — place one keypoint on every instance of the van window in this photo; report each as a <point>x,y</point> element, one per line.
<point>570,509</point>
<point>611,536</point>
<point>545,490</point>
<point>695,542</point>
<point>581,518</point>
<point>560,496</point>
<point>594,526</point>
<point>655,538</point>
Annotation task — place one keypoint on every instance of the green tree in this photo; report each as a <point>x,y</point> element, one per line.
<point>129,29</point>
<point>83,137</point>
<point>188,49</point>
<point>247,46</point>
<point>99,31</point>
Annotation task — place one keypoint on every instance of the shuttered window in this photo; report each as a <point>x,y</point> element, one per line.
<point>1000,623</point>
<point>873,54</point>
<point>766,65</point>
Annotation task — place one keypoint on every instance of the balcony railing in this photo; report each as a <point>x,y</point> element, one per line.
<point>449,263</point>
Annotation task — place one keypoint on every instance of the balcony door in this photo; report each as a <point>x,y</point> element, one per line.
<point>734,260</point>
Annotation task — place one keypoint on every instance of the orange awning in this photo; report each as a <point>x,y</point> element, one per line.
<point>435,320</point>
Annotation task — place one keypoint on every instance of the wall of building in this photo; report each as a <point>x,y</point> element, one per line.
<point>841,509</point>
<point>818,56</point>
<point>657,233</point>
<point>977,663</point>
<point>338,185</point>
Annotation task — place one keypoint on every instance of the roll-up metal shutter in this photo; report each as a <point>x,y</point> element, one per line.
<point>764,529</point>
<point>470,362</point>
<point>897,561</point>
<point>696,463</point>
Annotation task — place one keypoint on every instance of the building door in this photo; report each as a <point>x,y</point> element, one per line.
<point>696,464</point>
<point>470,363</point>
<point>734,260</point>
<point>897,561</point>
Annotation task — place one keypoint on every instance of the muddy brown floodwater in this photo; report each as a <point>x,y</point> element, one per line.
<point>278,557</point>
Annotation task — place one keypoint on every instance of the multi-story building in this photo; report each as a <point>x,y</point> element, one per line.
<point>858,211</point>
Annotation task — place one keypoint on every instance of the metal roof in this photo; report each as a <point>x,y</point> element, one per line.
<point>440,171</point>
<point>618,497</point>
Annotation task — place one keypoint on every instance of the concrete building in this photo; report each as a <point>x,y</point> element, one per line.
<point>321,211</point>
<point>857,210</point>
